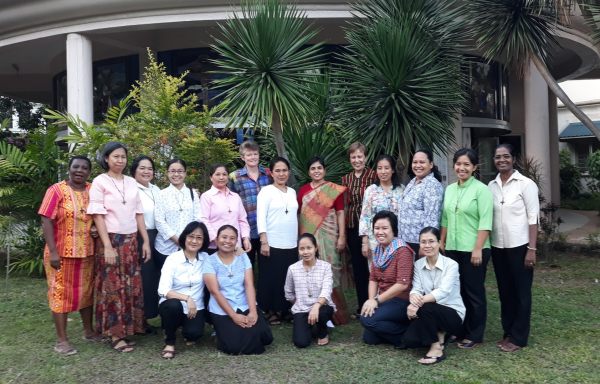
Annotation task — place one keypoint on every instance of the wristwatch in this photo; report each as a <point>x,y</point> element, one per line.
<point>376,298</point>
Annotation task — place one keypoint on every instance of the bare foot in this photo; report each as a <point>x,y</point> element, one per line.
<point>64,348</point>
<point>323,342</point>
<point>187,342</point>
<point>503,341</point>
<point>509,347</point>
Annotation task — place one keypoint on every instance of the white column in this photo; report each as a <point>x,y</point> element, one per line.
<point>80,91</point>
<point>537,125</point>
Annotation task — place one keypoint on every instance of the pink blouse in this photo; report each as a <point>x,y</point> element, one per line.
<point>215,207</point>
<point>106,198</point>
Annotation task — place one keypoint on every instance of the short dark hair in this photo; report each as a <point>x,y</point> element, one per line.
<point>315,159</point>
<point>435,170</point>
<point>508,146</point>
<point>80,157</point>
<point>227,226</point>
<point>176,161</point>
<point>470,153</point>
<point>213,168</point>
<point>391,216</point>
<point>310,237</point>
<point>109,148</point>
<point>434,230</point>
<point>275,160</point>
<point>136,163</point>
<point>395,178</point>
<point>191,227</point>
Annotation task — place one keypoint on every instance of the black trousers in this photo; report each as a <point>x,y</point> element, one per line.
<point>431,319</point>
<point>514,288</point>
<point>302,333</point>
<point>150,276</point>
<point>160,260</point>
<point>272,272</point>
<point>235,340</point>
<point>415,247</point>
<point>254,251</point>
<point>171,312</point>
<point>360,266</point>
<point>472,290</point>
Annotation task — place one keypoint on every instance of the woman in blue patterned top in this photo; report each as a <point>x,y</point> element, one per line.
<point>421,203</point>
<point>235,316</point>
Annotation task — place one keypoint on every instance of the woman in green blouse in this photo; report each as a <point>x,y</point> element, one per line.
<point>466,225</point>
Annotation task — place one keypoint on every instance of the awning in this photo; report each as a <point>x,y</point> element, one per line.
<point>577,130</point>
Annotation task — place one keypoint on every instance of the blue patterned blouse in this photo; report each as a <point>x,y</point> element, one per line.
<point>420,206</point>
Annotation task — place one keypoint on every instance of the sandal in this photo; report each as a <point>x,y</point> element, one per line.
<point>165,354</point>
<point>355,315</point>
<point>289,317</point>
<point>94,338</point>
<point>64,348</point>
<point>322,345</point>
<point>509,347</point>
<point>274,319</point>
<point>122,348</point>
<point>188,342</point>
<point>469,345</point>
<point>436,359</point>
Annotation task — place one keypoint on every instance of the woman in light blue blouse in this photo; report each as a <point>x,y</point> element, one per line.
<point>235,316</point>
<point>421,203</point>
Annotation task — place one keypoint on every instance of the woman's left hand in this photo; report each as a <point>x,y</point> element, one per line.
<point>341,244</point>
<point>530,259</point>
<point>476,256</point>
<point>247,245</point>
<point>251,319</point>
<point>94,231</point>
<point>411,311</point>
<point>146,252</point>
<point>313,315</point>
<point>368,308</point>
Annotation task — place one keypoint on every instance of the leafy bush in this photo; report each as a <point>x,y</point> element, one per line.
<point>582,203</point>
<point>28,243</point>
<point>570,176</point>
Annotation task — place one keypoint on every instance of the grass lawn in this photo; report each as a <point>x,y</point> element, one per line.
<point>563,348</point>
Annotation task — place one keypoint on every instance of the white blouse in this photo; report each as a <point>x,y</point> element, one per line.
<point>174,211</point>
<point>148,196</point>
<point>182,276</point>
<point>271,216</point>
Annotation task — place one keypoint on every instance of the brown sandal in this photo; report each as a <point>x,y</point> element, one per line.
<point>64,348</point>
<point>165,352</point>
<point>94,338</point>
<point>122,349</point>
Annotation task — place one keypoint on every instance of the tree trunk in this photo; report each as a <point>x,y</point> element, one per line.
<point>403,162</point>
<point>279,143</point>
<point>558,91</point>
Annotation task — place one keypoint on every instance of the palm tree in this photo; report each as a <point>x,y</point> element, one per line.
<point>269,65</point>
<point>400,80</point>
<point>523,31</point>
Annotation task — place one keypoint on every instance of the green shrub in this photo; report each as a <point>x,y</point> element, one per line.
<point>570,176</point>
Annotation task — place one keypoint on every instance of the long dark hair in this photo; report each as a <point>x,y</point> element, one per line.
<point>136,163</point>
<point>436,172</point>
<point>109,148</point>
<point>191,227</point>
<point>274,161</point>
<point>395,178</point>
<point>312,239</point>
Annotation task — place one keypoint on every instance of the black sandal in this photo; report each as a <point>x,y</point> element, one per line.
<point>289,317</point>
<point>165,352</point>
<point>274,319</point>
<point>437,359</point>
<point>122,348</point>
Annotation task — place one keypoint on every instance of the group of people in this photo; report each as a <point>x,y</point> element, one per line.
<point>418,254</point>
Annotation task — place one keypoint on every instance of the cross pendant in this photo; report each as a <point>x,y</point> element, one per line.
<point>456,208</point>
<point>123,201</point>
<point>309,295</point>
<point>230,276</point>
<point>82,210</point>
<point>229,210</point>
<point>180,209</point>
<point>286,211</point>
<point>502,202</point>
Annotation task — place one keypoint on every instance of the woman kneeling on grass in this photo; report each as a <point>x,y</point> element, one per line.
<point>181,288</point>
<point>436,306</point>
<point>308,286</point>
<point>229,278</point>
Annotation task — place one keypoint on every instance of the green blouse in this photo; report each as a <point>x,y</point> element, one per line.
<point>467,209</point>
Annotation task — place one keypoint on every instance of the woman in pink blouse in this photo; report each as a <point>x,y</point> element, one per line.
<point>219,206</point>
<point>118,214</point>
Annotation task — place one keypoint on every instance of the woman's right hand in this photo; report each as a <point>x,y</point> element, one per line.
<point>110,255</point>
<point>366,250</point>
<point>411,311</point>
<point>192,309</point>
<point>55,260</point>
<point>240,320</point>
<point>416,299</point>
<point>265,250</point>
<point>368,308</point>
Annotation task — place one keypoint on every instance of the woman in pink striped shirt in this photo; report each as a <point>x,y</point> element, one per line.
<point>219,206</point>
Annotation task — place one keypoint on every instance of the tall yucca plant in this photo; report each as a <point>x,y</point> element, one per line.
<point>400,80</point>
<point>523,31</point>
<point>269,64</point>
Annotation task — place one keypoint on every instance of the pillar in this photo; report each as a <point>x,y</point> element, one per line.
<point>537,125</point>
<point>80,91</point>
<point>554,148</point>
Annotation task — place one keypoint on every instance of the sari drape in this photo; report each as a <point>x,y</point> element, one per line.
<point>318,218</point>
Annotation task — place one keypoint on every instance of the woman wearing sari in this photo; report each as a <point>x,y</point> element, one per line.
<point>321,210</point>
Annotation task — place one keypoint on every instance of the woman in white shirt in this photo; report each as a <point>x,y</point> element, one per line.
<point>436,307</point>
<point>176,206</point>
<point>308,287</point>
<point>277,222</point>
<point>513,240</point>
<point>182,288</point>
<point>142,170</point>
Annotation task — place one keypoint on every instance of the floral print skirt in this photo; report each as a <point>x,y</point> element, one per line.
<point>118,289</point>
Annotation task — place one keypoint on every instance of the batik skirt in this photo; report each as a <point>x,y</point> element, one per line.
<point>70,288</point>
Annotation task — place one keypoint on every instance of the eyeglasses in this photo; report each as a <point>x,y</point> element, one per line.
<point>505,157</point>
<point>430,242</point>
<point>177,171</point>
<point>197,238</point>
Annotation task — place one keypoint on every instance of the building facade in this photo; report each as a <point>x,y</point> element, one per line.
<point>83,56</point>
